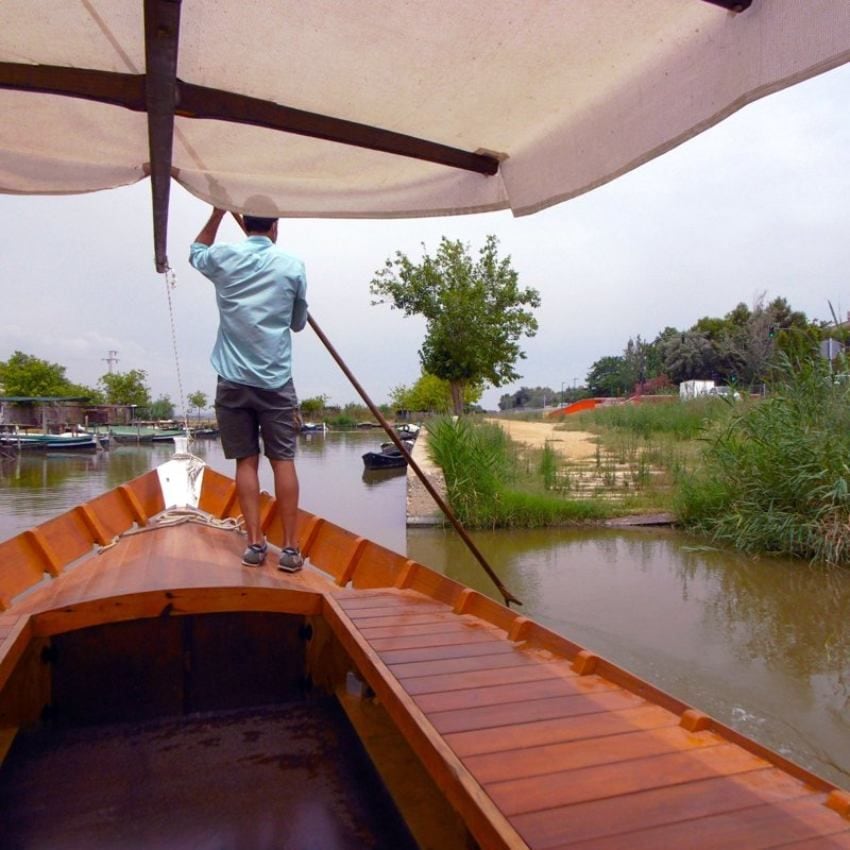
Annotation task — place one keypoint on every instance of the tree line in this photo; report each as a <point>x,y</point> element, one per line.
<point>27,376</point>
<point>737,349</point>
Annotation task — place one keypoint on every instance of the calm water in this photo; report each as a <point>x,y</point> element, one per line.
<point>34,487</point>
<point>763,645</point>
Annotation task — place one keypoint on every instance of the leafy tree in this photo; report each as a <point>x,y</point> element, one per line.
<point>688,355</point>
<point>610,376</point>
<point>529,397</point>
<point>752,337</point>
<point>197,400</point>
<point>740,316</point>
<point>519,399</point>
<point>432,394</point>
<point>127,388</point>
<point>162,408</point>
<point>26,375</point>
<point>313,406</point>
<point>475,312</point>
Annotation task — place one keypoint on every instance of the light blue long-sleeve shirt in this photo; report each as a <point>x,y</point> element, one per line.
<point>262,294</point>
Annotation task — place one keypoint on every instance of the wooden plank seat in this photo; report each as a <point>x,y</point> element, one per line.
<point>535,741</point>
<point>571,760</point>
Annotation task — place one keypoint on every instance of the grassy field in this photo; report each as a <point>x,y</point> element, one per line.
<point>492,483</point>
<point>767,475</point>
<point>646,450</point>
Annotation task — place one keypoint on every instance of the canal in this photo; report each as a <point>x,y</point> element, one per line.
<point>763,644</point>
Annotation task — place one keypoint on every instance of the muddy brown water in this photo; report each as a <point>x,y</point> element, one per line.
<point>761,644</point>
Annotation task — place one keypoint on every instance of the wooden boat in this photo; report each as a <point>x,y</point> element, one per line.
<point>314,428</point>
<point>144,434</point>
<point>55,442</point>
<point>387,459</point>
<point>208,433</point>
<point>486,727</point>
<point>407,431</point>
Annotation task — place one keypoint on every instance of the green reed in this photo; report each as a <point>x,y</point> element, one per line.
<point>777,478</point>
<point>491,485</point>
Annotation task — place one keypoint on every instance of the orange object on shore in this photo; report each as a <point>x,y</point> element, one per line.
<point>576,407</point>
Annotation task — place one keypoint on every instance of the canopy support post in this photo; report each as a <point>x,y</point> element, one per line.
<point>162,32</point>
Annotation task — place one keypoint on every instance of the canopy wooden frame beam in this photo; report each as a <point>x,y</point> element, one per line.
<point>192,101</point>
<point>163,96</point>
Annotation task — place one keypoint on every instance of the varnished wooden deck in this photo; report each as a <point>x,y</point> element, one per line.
<point>535,741</point>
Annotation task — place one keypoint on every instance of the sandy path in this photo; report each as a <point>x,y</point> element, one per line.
<point>574,445</point>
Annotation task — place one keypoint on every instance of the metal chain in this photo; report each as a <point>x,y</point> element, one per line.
<point>171,283</point>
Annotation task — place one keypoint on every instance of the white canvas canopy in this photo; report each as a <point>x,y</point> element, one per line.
<point>382,108</point>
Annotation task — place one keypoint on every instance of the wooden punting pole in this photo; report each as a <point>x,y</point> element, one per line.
<point>464,534</point>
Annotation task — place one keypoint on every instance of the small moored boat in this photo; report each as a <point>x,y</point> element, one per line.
<point>389,457</point>
<point>54,442</point>
<point>144,434</point>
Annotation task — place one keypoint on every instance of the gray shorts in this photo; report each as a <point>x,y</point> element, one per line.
<point>244,412</point>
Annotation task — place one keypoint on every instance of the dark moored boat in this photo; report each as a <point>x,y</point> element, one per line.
<point>384,460</point>
<point>389,457</point>
<point>204,433</point>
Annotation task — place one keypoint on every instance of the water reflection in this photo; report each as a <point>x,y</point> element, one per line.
<point>377,477</point>
<point>34,488</point>
<point>760,644</point>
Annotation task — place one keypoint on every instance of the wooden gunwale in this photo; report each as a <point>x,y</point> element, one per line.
<point>535,741</point>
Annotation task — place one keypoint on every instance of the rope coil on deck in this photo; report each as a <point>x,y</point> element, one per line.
<point>180,516</point>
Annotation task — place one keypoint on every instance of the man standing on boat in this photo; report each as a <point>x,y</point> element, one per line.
<point>261,293</point>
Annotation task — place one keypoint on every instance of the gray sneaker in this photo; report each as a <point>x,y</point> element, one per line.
<point>255,554</point>
<point>291,560</point>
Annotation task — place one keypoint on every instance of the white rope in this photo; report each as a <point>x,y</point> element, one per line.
<point>171,283</point>
<point>179,516</point>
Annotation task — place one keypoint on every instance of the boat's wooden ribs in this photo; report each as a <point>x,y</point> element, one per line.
<point>27,558</point>
<point>218,495</point>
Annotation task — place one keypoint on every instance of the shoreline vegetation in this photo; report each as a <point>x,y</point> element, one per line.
<point>762,475</point>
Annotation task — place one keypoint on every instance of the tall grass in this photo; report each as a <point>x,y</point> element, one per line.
<point>548,467</point>
<point>681,420</point>
<point>482,471</point>
<point>777,479</point>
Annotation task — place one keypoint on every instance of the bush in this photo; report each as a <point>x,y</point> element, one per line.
<point>342,422</point>
<point>777,478</point>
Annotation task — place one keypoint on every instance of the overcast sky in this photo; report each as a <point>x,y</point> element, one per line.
<point>758,204</point>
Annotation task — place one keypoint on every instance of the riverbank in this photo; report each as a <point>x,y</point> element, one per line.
<point>422,510</point>
<point>571,445</point>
